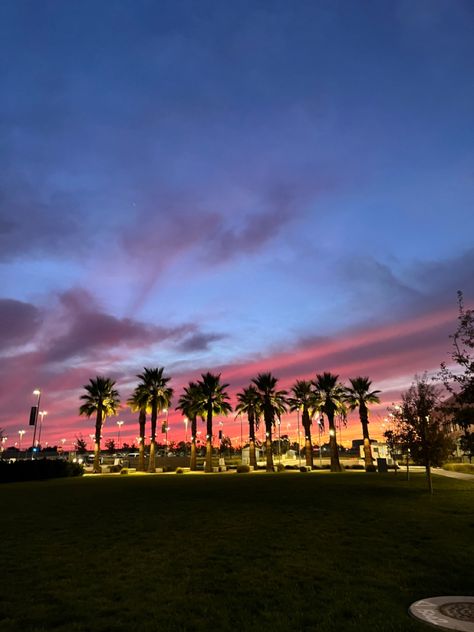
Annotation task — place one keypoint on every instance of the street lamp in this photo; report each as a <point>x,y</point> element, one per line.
<point>320,427</point>
<point>36,392</point>
<point>21,433</point>
<point>42,413</point>
<point>119,424</point>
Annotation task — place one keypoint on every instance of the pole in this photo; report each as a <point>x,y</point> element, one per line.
<point>408,466</point>
<point>42,414</point>
<point>36,392</point>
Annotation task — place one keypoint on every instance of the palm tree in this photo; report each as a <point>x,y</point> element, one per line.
<point>190,404</point>
<point>250,405</point>
<point>102,399</point>
<point>156,395</point>
<point>214,401</point>
<point>331,396</point>
<point>359,395</point>
<point>138,404</point>
<point>273,404</point>
<point>304,399</point>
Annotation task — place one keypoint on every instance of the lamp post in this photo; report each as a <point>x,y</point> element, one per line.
<point>36,392</point>
<point>119,424</point>
<point>42,413</point>
<point>21,433</point>
<point>320,427</point>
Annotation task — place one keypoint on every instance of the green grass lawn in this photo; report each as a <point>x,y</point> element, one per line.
<point>277,552</point>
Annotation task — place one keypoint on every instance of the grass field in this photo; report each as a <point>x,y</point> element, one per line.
<point>280,552</point>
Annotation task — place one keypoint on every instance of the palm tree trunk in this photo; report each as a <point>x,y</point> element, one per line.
<point>364,420</point>
<point>152,461</point>
<point>306,421</point>
<point>193,460</point>
<point>252,455</point>
<point>98,432</point>
<point>269,447</point>
<point>334,450</point>
<point>208,455</point>
<point>253,458</point>
<point>209,439</point>
<point>309,450</point>
<point>141,447</point>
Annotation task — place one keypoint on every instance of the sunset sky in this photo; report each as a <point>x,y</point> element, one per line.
<point>230,186</point>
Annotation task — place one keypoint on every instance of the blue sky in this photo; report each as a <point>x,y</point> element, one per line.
<point>209,185</point>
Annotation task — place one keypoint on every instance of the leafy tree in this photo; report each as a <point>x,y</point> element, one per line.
<point>331,401</point>
<point>110,446</point>
<point>419,427</point>
<point>467,444</point>
<point>226,445</point>
<point>214,401</point>
<point>459,381</point>
<point>273,404</point>
<point>155,394</point>
<point>102,399</point>
<point>80,445</point>
<point>304,399</point>
<point>138,402</point>
<point>359,395</point>
<point>191,405</point>
<point>250,404</point>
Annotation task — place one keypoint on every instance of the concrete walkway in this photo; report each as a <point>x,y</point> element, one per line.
<point>449,474</point>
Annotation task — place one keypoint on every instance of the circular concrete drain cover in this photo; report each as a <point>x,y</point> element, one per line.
<point>446,613</point>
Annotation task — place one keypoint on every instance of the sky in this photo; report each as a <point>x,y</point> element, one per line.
<point>237,187</point>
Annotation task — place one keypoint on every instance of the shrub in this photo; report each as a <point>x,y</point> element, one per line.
<point>279,467</point>
<point>124,470</point>
<point>464,468</point>
<point>242,469</point>
<point>305,468</point>
<point>168,468</point>
<point>179,470</point>
<point>38,470</point>
<point>369,468</point>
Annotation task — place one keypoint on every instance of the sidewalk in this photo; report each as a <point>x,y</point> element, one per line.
<point>459,475</point>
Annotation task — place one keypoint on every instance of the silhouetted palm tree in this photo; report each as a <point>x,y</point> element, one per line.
<point>156,395</point>
<point>273,404</point>
<point>102,399</point>
<point>359,395</point>
<point>331,396</point>
<point>304,399</point>
<point>138,403</point>
<point>191,405</point>
<point>250,404</point>
<point>214,401</point>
